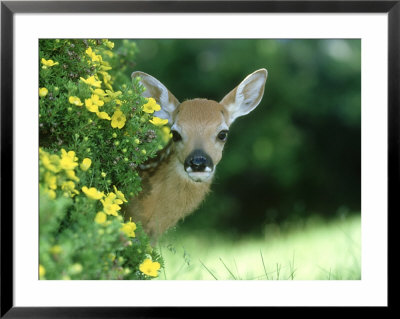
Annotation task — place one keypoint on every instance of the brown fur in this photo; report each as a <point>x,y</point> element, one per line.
<point>169,194</point>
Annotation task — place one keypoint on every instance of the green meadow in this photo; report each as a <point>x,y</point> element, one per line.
<point>314,250</point>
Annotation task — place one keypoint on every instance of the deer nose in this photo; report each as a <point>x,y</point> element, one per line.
<point>198,161</point>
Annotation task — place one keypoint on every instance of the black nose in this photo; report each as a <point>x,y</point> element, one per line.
<point>198,161</point>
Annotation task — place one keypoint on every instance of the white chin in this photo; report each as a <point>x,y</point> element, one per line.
<point>200,176</point>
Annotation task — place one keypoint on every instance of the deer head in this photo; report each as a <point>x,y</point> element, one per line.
<point>200,127</point>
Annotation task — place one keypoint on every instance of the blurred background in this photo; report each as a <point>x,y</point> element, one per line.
<point>298,154</point>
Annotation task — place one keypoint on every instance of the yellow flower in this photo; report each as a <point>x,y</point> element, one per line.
<point>85,164</point>
<point>166,134</point>
<point>93,56</point>
<point>150,268</point>
<point>69,188</point>
<point>128,229</point>
<point>103,116</point>
<point>91,81</point>
<point>119,194</point>
<point>151,106</point>
<point>92,193</point>
<point>51,162</point>
<point>109,44</point>
<point>70,154</point>
<point>89,52</point>
<point>118,119</point>
<point>91,106</point>
<point>97,58</point>
<point>158,121</point>
<point>93,103</point>
<point>42,271</point>
<point>50,180</point>
<point>112,196</point>
<point>75,100</point>
<point>48,62</point>
<point>99,92</point>
<point>111,209</point>
<point>111,204</point>
<point>100,218</point>
<point>105,67</point>
<point>71,175</point>
<point>96,100</point>
<point>50,193</point>
<point>106,79</point>
<point>112,95</point>
<point>43,92</point>
<point>68,160</point>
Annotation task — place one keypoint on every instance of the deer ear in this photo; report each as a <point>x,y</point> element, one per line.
<point>160,93</point>
<point>246,96</point>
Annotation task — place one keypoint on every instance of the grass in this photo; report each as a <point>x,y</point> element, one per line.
<point>314,251</point>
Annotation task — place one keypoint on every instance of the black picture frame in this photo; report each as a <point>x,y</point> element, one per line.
<point>9,8</point>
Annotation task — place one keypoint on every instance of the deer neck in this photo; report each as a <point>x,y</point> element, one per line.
<point>168,194</point>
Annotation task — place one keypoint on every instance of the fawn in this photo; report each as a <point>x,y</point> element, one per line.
<point>179,178</point>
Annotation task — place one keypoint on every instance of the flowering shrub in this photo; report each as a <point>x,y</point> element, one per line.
<point>95,129</point>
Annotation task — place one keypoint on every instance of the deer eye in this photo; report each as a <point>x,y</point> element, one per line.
<point>176,137</point>
<point>222,136</point>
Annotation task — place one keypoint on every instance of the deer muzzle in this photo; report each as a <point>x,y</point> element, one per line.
<point>199,166</point>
